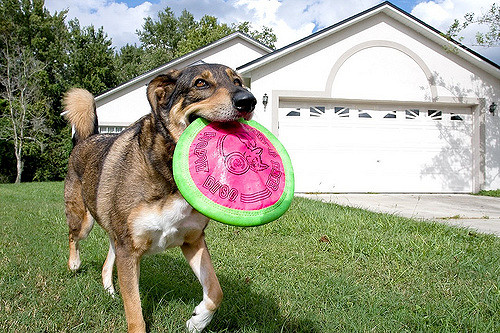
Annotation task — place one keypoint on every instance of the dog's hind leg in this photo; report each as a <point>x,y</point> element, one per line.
<point>197,255</point>
<point>107,269</point>
<point>77,232</point>
<point>80,222</point>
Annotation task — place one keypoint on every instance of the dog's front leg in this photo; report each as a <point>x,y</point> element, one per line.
<point>197,255</point>
<point>127,266</point>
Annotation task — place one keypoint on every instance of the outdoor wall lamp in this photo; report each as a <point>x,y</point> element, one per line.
<point>265,100</point>
<point>493,107</point>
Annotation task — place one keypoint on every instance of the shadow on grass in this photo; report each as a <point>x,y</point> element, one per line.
<point>244,308</point>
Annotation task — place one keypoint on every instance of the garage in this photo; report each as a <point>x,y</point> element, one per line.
<point>346,147</point>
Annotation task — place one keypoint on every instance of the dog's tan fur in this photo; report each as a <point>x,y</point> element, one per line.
<point>125,182</point>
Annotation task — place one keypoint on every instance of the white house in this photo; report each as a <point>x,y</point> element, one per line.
<point>380,102</point>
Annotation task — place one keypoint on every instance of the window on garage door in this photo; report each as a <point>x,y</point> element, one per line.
<point>346,112</point>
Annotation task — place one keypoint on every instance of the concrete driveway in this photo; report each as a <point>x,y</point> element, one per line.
<point>475,212</point>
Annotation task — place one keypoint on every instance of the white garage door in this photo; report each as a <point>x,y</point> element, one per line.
<point>342,148</point>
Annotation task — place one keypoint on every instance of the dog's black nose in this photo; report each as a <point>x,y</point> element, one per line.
<point>244,101</point>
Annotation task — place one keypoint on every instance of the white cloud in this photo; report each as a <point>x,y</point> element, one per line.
<point>441,14</point>
<point>268,13</point>
<point>119,21</point>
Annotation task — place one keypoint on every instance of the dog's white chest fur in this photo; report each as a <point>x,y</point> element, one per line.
<point>167,226</point>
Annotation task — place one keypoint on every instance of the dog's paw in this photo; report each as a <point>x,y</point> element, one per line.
<point>200,319</point>
<point>111,290</point>
<point>191,327</point>
<point>107,282</point>
<point>74,263</point>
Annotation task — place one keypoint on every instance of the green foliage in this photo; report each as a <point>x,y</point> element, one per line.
<point>51,163</point>
<point>491,19</point>
<point>128,62</point>
<point>29,25</point>
<point>30,29</point>
<point>266,36</point>
<point>7,162</point>
<point>204,32</point>
<point>159,38</point>
<point>22,119</point>
<point>91,58</point>
<point>69,56</point>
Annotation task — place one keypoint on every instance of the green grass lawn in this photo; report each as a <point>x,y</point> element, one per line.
<point>319,268</point>
<point>491,193</point>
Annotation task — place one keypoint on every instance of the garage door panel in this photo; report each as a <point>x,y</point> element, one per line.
<point>424,151</point>
<point>342,171</point>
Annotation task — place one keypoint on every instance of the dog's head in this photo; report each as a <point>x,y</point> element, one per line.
<point>213,92</point>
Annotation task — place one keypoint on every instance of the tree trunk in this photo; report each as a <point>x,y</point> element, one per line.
<point>19,170</point>
<point>19,164</point>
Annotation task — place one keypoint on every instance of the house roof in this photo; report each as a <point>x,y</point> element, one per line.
<point>184,58</point>
<point>394,12</point>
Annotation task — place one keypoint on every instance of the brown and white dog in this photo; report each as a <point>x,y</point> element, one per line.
<point>125,181</point>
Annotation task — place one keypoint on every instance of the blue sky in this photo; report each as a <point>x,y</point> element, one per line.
<point>290,19</point>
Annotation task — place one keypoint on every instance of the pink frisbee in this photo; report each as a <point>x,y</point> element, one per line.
<point>236,173</point>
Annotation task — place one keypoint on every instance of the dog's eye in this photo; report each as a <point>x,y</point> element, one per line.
<point>200,83</point>
<point>237,82</point>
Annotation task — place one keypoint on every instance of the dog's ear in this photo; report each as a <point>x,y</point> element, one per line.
<point>161,87</point>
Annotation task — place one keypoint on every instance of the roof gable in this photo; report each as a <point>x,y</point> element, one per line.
<point>395,13</point>
<point>188,59</point>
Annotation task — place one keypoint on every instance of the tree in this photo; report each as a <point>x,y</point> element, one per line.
<point>24,118</point>
<point>170,37</point>
<point>159,39</point>
<point>42,57</point>
<point>28,24</point>
<point>266,36</point>
<point>204,32</point>
<point>491,19</point>
<point>30,34</point>
<point>89,63</point>
<point>90,58</point>
<point>128,62</point>
<point>209,30</point>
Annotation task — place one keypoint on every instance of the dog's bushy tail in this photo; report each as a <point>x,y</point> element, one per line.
<point>80,111</point>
